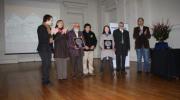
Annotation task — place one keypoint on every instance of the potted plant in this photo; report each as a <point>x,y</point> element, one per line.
<point>161,32</point>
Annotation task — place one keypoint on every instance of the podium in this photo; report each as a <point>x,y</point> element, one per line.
<point>165,63</point>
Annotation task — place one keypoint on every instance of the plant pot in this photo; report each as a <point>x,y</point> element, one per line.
<point>161,45</point>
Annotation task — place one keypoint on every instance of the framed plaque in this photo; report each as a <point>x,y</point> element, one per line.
<point>79,42</point>
<point>108,44</point>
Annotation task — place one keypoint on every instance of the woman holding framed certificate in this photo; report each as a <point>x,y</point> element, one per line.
<point>107,49</point>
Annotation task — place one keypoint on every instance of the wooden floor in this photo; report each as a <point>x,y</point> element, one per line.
<point>22,82</point>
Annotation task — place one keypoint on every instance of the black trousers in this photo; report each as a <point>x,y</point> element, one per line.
<point>120,62</point>
<point>77,65</point>
<point>46,63</point>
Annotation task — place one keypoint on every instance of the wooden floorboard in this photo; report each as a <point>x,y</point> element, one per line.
<point>22,81</point>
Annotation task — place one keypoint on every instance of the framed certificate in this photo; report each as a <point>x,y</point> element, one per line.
<point>79,42</point>
<point>108,44</point>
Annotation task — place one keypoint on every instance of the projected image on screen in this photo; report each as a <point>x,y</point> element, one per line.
<point>21,34</point>
<point>21,21</point>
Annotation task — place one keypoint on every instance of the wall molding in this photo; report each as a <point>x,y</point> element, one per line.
<point>74,4</point>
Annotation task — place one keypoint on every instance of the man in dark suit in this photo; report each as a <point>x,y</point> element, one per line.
<point>122,46</point>
<point>142,35</point>
<point>44,48</point>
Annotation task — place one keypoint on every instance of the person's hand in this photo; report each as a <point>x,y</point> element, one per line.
<point>92,47</point>
<point>54,31</point>
<point>86,47</point>
<point>51,40</point>
<point>75,47</point>
<point>141,32</point>
<point>114,49</point>
<point>64,31</point>
<point>145,32</point>
<point>102,49</point>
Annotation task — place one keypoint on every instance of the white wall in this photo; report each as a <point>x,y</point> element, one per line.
<point>157,10</point>
<point>21,21</point>
<point>168,9</point>
<point>101,12</point>
<point>70,11</point>
<point>81,11</point>
<point>152,11</point>
<point>3,58</point>
<point>22,8</point>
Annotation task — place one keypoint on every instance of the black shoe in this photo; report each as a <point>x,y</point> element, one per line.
<point>147,73</point>
<point>118,70</point>
<point>46,82</point>
<point>124,72</point>
<point>139,72</point>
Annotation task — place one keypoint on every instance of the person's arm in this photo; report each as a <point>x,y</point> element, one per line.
<point>136,33</point>
<point>147,33</point>
<point>101,44</point>
<point>86,47</point>
<point>113,43</point>
<point>94,39</point>
<point>114,38</point>
<point>66,35</point>
<point>128,41</point>
<point>70,41</point>
<point>83,39</point>
<point>43,35</point>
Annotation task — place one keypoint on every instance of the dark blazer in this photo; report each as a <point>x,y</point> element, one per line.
<point>43,39</point>
<point>121,48</point>
<point>71,44</point>
<point>90,39</point>
<point>141,40</point>
<point>60,45</point>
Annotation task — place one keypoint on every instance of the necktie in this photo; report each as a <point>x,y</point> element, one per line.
<point>122,41</point>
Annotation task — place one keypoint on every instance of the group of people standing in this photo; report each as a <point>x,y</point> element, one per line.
<point>79,47</point>
<point>62,43</point>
